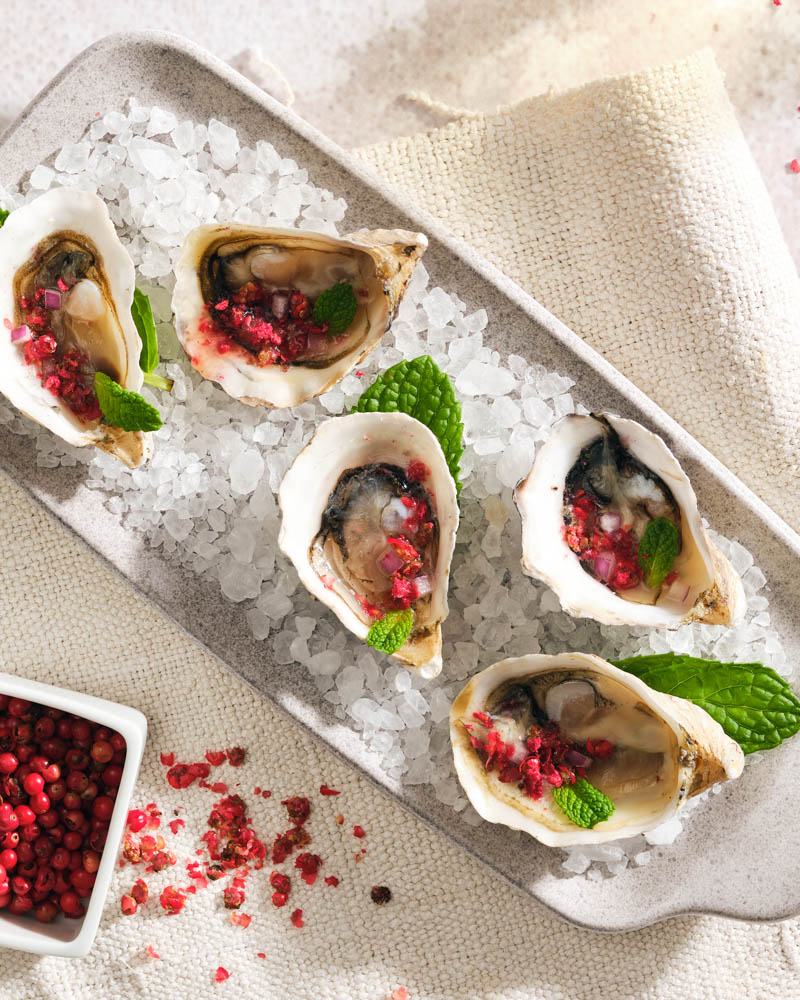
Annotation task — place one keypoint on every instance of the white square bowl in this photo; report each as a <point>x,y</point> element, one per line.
<point>73,938</point>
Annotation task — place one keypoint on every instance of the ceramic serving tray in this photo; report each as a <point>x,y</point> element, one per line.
<point>740,858</point>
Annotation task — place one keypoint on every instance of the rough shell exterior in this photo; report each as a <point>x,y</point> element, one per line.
<point>717,595</point>
<point>705,754</point>
<point>352,441</point>
<point>75,212</point>
<point>390,256</point>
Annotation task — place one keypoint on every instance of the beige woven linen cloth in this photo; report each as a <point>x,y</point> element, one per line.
<point>632,209</point>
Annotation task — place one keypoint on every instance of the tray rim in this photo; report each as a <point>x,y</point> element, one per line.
<point>467,255</point>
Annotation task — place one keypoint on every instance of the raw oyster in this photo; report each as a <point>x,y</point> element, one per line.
<point>369,520</point>
<point>244,302</point>
<point>595,485</point>
<point>648,752</point>
<point>66,288</point>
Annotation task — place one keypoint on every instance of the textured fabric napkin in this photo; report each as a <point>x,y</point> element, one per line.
<point>452,930</point>
<point>633,210</point>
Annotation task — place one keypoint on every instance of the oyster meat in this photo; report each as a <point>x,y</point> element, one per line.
<point>595,486</point>
<point>244,305</point>
<point>369,519</point>
<point>66,288</point>
<point>527,725</point>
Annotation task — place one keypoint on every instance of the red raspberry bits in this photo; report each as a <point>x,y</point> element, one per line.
<point>176,824</point>
<point>359,832</point>
<point>297,918</point>
<point>167,759</point>
<point>401,993</point>
<point>331,880</point>
<point>215,757</point>
<point>794,166</point>
<point>221,974</point>
<point>241,919</point>
<point>324,790</point>
<point>152,952</point>
<point>128,905</point>
<point>260,954</point>
<point>235,756</point>
<point>279,899</point>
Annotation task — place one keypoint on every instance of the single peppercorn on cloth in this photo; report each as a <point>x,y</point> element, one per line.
<point>632,209</point>
<point>606,158</point>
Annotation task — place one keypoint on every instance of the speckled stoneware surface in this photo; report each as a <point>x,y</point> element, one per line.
<point>740,858</point>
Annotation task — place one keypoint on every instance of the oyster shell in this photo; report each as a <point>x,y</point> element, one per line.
<point>624,476</point>
<point>65,242</point>
<point>665,749</point>
<point>364,486</point>
<point>222,265</point>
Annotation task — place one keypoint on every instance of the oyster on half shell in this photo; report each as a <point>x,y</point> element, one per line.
<point>66,288</point>
<point>244,301</point>
<point>595,485</point>
<point>650,752</point>
<point>369,519</point>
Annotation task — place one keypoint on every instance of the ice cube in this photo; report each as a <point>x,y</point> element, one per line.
<point>245,471</point>
<point>479,379</point>
<point>439,307</point>
<point>73,157</point>
<point>41,177</point>
<point>160,122</point>
<point>223,143</point>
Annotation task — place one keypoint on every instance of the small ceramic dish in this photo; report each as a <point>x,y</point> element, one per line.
<point>73,938</point>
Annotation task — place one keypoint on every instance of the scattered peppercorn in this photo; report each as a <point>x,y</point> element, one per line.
<point>380,894</point>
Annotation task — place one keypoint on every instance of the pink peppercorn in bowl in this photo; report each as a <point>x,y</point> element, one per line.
<point>73,937</point>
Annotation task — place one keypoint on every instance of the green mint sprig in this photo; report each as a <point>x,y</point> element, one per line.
<point>337,307</point>
<point>388,634</point>
<point>142,313</point>
<point>583,804</point>
<point>4,214</point>
<point>754,705</point>
<point>124,408</point>
<point>658,549</point>
<point>420,389</point>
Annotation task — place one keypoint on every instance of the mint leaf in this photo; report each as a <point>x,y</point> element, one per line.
<point>123,408</point>
<point>658,548</point>
<point>754,705</point>
<point>388,634</point>
<point>337,307</point>
<point>142,313</point>
<point>583,804</point>
<point>422,390</point>
<point>4,214</point>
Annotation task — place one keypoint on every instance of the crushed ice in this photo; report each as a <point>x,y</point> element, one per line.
<point>207,498</point>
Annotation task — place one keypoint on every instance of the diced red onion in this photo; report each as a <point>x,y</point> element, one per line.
<point>577,759</point>
<point>610,522</point>
<point>317,343</point>
<point>52,298</point>
<point>424,585</point>
<point>20,334</point>
<point>390,561</point>
<point>604,566</point>
<point>278,305</point>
